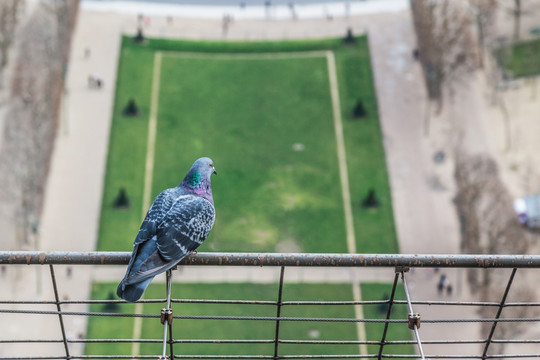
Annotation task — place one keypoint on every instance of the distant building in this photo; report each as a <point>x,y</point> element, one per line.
<point>528,210</point>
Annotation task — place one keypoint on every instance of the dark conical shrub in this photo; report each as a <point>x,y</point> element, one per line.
<point>349,37</point>
<point>122,200</point>
<point>111,306</point>
<point>359,110</point>
<point>139,38</point>
<point>371,201</point>
<point>382,308</point>
<point>131,108</point>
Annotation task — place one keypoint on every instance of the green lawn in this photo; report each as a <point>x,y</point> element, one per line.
<point>247,114</point>
<point>524,58</point>
<point>102,327</point>
<point>396,331</point>
<point>122,327</point>
<point>127,152</point>
<point>265,191</point>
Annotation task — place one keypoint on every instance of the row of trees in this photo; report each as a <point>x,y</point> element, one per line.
<point>454,37</point>
<point>42,45</point>
<point>489,226</point>
<point>10,11</point>
<point>451,40</point>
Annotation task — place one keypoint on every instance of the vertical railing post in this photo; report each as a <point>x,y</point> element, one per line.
<point>53,278</point>
<point>388,312</point>
<point>278,315</point>
<point>414,319</point>
<point>166,320</point>
<point>499,311</point>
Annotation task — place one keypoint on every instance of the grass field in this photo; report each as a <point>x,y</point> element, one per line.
<point>120,327</point>
<point>396,331</point>
<point>250,114</point>
<point>264,113</point>
<point>524,58</point>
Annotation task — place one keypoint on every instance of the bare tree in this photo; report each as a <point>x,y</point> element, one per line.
<point>520,293</point>
<point>65,14</point>
<point>484,12</point>
<point>31,120</point>
<point>517,19</point>
<point>484,206</point>
<point>446,44</point>
<point>9,16</point>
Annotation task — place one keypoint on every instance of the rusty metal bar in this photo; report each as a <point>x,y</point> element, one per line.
<point>286,259</point>
<point>388,312</point>
<point>499,311</point>
<point>389,356</point>
<point>59,308</point>
<point>271,341</point>
<point>265,302</point>
<point>335,356</point>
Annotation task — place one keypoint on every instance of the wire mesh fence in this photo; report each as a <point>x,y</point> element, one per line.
<point>364,306</point>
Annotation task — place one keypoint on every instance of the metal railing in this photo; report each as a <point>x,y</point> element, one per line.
<point>431,312</point>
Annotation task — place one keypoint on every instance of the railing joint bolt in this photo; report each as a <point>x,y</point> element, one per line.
<point>401,269</point>
<point>414,319</point>
<point>166,314</point>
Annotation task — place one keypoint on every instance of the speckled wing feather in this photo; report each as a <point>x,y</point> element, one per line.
<point>185,227</point>
<point>156,214</point>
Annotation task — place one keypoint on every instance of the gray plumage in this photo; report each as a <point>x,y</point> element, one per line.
<point>176,224</point>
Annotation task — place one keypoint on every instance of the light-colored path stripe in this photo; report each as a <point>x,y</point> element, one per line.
<point>152,128</point>
<point>342,161</point>
<point>359,314</point>
<point>149,171</point>
<point>247,56</point>
<point>137,329</point>
<point>345,190</point>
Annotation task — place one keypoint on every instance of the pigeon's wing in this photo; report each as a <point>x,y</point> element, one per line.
<point>154,216</point>
<point>152,264</point>
<point>166,239</point>
<point>185,227</point>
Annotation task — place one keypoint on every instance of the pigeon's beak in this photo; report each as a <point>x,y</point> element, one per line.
<point>215,172</point>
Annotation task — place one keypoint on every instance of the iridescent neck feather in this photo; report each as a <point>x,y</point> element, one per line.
<point>198,184</point>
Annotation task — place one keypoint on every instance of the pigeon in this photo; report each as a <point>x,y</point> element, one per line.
<point>178,221</point>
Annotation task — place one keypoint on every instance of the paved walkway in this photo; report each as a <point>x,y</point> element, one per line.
<point>71,214</point>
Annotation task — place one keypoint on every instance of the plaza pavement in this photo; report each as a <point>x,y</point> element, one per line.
<point>424,213</point>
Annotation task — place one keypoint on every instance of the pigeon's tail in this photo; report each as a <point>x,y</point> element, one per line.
<point>132,292</point>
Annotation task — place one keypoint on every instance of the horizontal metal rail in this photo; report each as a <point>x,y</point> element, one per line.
<point>273,303</point>
<point>269,318</point>
<point>282,259</point>
<point>269,341</point>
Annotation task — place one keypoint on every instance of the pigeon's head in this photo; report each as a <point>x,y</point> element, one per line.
<point>197,179</point>
<point>204,166</point>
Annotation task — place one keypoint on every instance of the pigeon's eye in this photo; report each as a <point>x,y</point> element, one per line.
<point>210,165</point>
